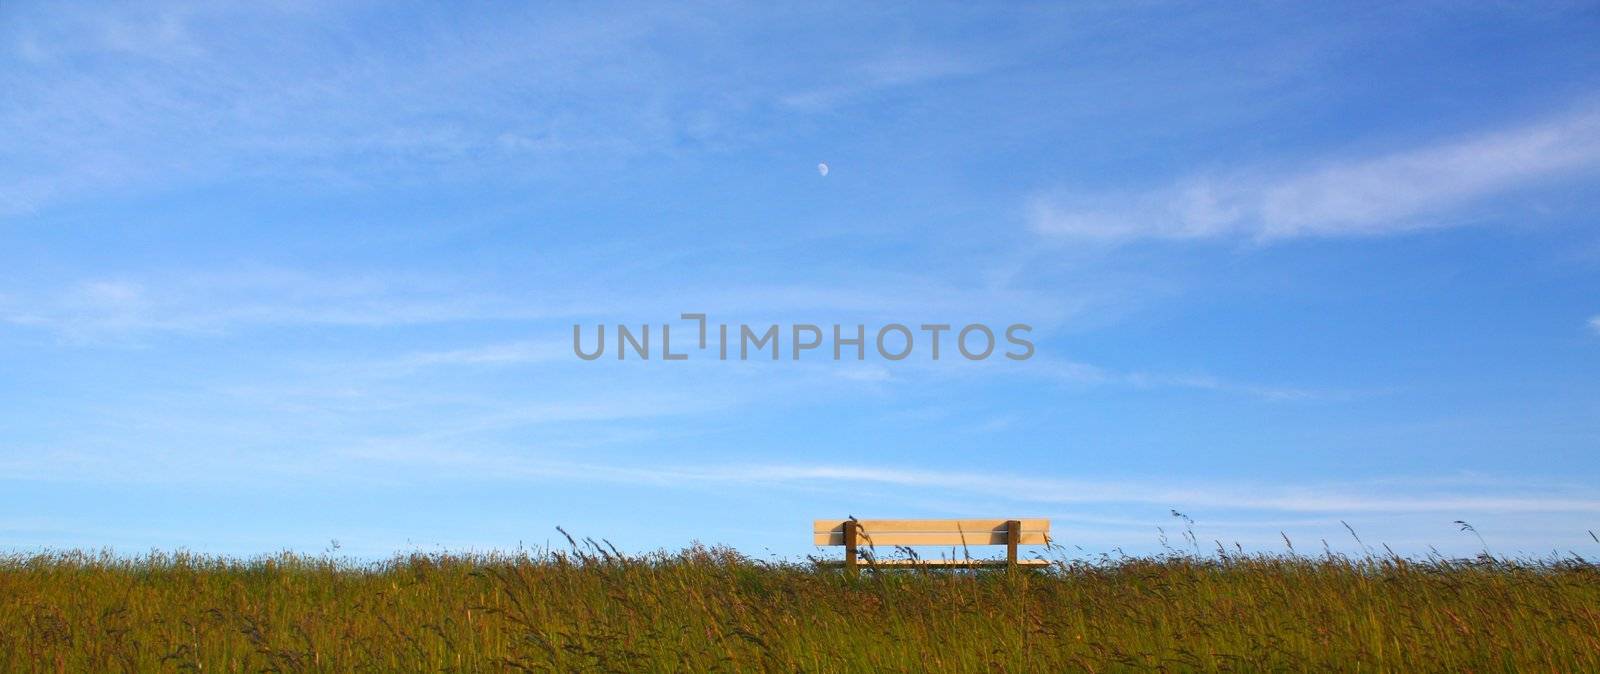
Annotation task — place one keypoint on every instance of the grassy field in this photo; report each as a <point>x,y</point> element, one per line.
<point>711,609</point>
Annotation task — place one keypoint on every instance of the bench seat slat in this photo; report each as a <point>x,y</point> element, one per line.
<point>889,533</point>
<point>945,563</point>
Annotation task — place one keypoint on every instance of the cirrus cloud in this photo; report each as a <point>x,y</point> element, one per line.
<point>1387,194</point>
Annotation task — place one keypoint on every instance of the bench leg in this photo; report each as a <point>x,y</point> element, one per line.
<point>850,546</point>
<point>1013,537</point>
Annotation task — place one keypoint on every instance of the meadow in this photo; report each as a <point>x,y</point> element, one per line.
<point>589,608</point>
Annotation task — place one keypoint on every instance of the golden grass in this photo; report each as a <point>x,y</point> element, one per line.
<point>711,609</point>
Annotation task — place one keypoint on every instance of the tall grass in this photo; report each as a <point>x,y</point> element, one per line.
<point>712,609</point>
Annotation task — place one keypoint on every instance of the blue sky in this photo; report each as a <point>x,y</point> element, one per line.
<point>275,275</point>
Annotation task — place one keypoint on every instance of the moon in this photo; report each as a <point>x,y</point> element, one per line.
<point>822,169</point>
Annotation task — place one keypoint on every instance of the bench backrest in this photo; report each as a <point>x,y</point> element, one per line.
<point>930,532</point>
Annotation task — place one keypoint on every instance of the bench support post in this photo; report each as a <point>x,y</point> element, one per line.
<point>1013,537</point>
<point>850,546</point>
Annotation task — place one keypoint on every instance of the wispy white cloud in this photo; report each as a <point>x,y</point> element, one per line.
<point>113,100</point>
<point>1088,374</point>
<point>1393,496</point>
<point>113,309</point>
<point>1389,495</point>
<point>1403,191</point>
<point>118,100</point>
<point>216,301</point>
<point>498,354</point>
<point>1594,324</point>
<point>898,68</point>
<point>908,374</point>
<point>401,460</point>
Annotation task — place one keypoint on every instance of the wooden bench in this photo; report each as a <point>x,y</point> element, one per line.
<point>961,534</point>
